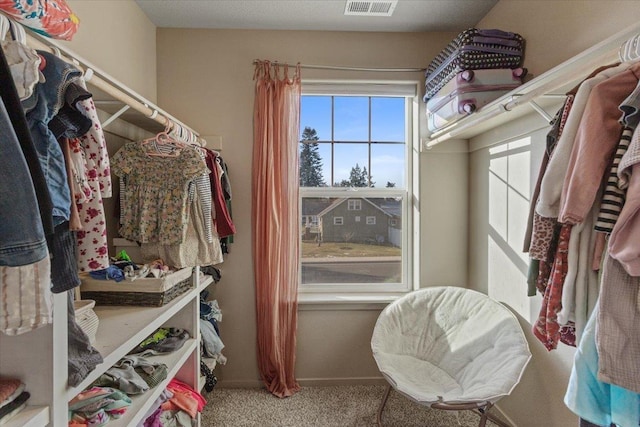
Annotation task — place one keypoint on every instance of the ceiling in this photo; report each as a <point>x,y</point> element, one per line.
<point>320,15</point>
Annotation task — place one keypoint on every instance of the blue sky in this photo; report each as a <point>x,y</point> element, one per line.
<point>351,124</point>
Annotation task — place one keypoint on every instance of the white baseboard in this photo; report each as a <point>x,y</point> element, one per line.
<point>504,416</point>
<point>325,382</point>
<point>308,382</point>
<point>240,384</point>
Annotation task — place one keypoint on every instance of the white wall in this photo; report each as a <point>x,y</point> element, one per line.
<point>503,169</point>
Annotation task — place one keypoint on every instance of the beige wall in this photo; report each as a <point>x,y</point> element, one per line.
<point>558,29</point>
<point>206,78</point>
<point>503,169</point>
<point>117,37</point>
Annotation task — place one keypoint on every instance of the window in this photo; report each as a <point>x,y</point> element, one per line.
<point>356,146</point>
<point>393,222</point>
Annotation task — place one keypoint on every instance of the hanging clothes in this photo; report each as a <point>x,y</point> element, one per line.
<point>591,399</point>
<point>548,204</point>
<point>40,108</point>
<point>156,193</point>
<point>596,140</point>
<point>25,266</point>
<point>94,171</point>
<point>223,221</point>
<point>194,249</point>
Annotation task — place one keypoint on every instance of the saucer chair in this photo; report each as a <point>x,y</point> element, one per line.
<point>450,348</point>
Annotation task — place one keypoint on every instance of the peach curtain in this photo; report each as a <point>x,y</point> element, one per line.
<point>275,218</point>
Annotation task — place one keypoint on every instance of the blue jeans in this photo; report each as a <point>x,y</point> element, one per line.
<point>40,108</point>
<point>22,240</point>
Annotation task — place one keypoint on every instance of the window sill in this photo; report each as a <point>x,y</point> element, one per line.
<point>345,301</point>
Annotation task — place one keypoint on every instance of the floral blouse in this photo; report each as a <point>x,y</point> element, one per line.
<point>92,184</point>
<point>156,193</point>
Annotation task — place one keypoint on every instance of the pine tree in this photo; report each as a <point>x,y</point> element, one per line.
<point>310,160</point>
<point>357,178</point>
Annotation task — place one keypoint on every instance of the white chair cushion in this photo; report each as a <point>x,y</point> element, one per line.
<point>449,344</point>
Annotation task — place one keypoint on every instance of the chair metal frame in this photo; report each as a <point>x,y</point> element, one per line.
<point>481,408</point>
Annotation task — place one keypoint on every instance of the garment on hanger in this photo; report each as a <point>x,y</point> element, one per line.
<point>90,151</point>
<point>25,267</point>
<point>583,153</point>
<point>40,108</point>
<point>194,249</point>
<point>548,204</point>
<point>591,399</point>
<point>223,221</point>
<point>595,143</point>
<point>156,193</point>
<point>17,120</point>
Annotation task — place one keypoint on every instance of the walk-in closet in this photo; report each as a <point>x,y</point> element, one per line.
<point>285,213</point>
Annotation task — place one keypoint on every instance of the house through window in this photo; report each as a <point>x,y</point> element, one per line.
<point>354,163</point>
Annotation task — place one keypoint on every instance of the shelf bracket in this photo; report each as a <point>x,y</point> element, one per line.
<point>115,116</point>
<point>541,111</point>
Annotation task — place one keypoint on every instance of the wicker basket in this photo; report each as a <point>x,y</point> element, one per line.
<point>86,318</point>
<point>141,292</point>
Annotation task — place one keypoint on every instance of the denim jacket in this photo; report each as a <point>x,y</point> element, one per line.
<point>40,108</point>
<point>22,239</point>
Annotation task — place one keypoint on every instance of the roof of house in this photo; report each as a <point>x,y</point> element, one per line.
<point>340,201</point>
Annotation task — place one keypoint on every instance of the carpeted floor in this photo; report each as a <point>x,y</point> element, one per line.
<point>344,406</point>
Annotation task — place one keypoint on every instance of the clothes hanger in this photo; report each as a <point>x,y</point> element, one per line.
<point>635,46</point>
<point>164,139</point>
<point>630,49</point>
<point>5,25</point>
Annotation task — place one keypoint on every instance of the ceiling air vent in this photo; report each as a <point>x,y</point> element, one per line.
<point>370,7</point>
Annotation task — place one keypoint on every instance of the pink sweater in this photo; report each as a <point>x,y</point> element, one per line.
<point>624,243</point>
<point>594,144</point>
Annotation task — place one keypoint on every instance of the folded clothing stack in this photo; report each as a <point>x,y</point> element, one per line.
<point>13,398</point>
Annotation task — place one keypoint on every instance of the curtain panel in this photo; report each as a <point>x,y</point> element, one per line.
<point>275,218</point>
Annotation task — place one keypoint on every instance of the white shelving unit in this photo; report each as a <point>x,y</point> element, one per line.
<point>30,356</point>
<point>541,91</point>
<point>140,404</point>
<point>39,358</point>
<point>31,416</point>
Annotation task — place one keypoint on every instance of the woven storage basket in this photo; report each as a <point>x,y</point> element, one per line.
<point>86,318</point>
<point>143,292</point>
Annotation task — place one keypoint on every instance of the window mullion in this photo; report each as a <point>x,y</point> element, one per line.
<point>369,146</point>
<point>333,154</point>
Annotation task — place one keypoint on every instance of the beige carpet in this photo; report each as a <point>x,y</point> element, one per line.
<point>345,406</point>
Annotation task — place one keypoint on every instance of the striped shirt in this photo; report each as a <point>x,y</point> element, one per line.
<point>613,198</point>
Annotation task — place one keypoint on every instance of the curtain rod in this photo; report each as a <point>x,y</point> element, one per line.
<point>108,84</point>
<point>342,68</point>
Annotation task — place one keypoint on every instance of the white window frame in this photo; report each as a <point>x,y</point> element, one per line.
<point>338,220</point>
<point>371,220</point>
<point>354,206</point>
<point>357,218</point>
<point>345,293</point>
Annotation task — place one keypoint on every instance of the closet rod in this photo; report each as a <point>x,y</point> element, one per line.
<point>342,68</point>
<point>108,84</point>
<point>570,71</point>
